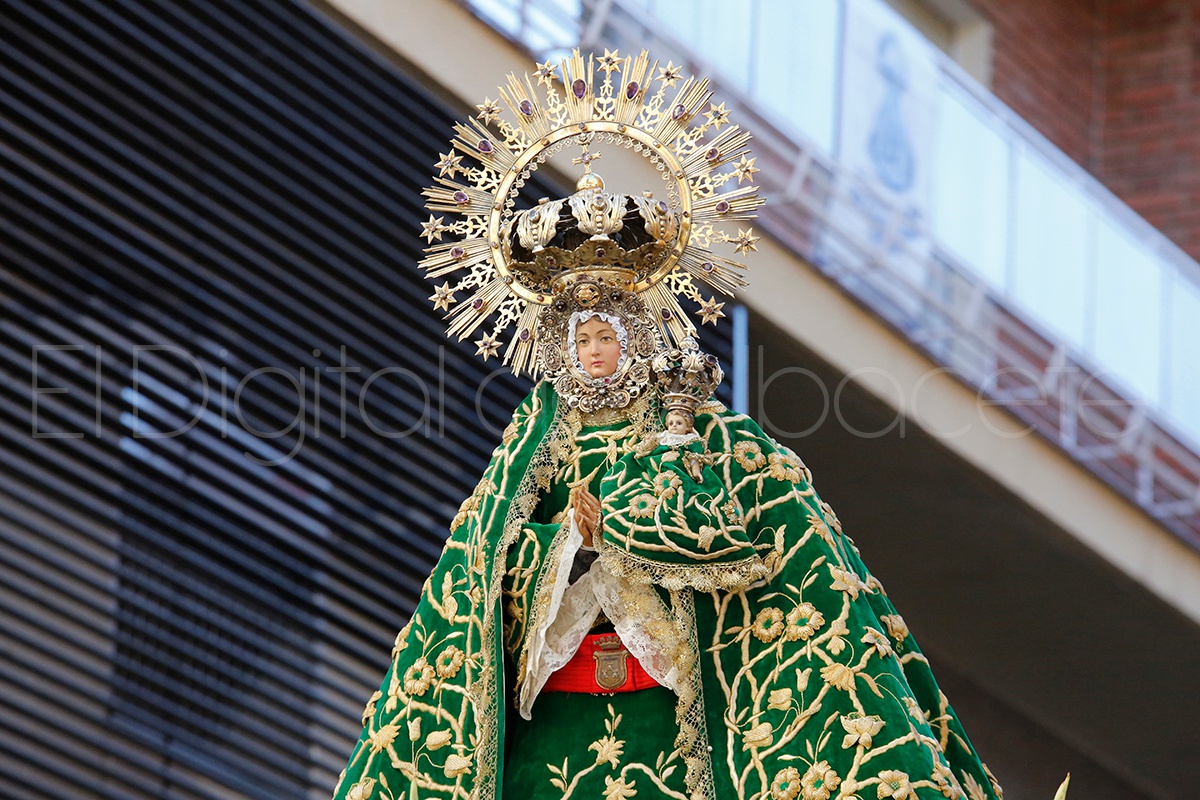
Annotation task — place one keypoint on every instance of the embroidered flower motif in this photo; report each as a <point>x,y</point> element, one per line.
<point>995,784</point>
<point>839,676</point>
<point>802,622</point>
<point>894,784</point>
<point>896,627</point>
<point>705,536</point>
<point>845,581</point>
<point>914,709</point>
<point>786,784</point>
<point>780,699</point>
<point>450,662</point>
<point>836,643</point>
<point>761,735</point>
<point>414,729</point>
<point>731,512</point>
<point>877,640</point>
<point>783,468</point>
<point>768,624</point>
<point>608,749</point>
<point>819,782</point>
<point>618,789</point>
<point>859,729</point>
<point>418,677</point>
<point>382,738</point>
<point>642,506</point>
<point>666,484</point>
<point>361,790</point>
<point>749,456</point>
<point>974,790</point>
<point>827,510</point>
<point>369,711</point>
<point>401,640</point>
<point>456,765</point>
<point>947,784</point>
<point>438,739</point>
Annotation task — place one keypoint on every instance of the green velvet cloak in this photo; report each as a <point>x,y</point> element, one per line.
<point>796,676</point>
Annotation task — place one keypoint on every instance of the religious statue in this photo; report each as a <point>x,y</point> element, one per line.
<point>644,596</point>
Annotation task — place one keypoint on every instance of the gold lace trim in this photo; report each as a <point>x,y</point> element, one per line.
<point>731,576</point>
<point>689,708</point>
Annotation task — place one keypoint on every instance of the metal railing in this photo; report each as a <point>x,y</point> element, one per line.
<point>944,307</point>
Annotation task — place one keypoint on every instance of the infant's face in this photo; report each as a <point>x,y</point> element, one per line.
<point>677,423</point>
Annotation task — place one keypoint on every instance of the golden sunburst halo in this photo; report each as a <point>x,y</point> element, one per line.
<point>608,100</point>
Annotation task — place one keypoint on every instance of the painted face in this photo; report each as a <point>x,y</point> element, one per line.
<point>598,347</point>
<point>677,422</point>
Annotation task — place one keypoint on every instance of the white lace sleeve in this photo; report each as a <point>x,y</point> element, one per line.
<point>571,614</point>
<point>642,621</point>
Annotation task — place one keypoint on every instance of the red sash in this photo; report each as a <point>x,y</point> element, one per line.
<point>602,665</point>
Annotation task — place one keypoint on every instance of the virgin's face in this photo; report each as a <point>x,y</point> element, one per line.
<point>598,348</point>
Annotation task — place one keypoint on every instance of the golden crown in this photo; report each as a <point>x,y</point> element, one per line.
<point>512,262</point>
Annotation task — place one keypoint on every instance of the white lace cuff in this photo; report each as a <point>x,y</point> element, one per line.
<point>563,626</point>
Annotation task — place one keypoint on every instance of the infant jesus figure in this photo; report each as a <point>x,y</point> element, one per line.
<point>681,438</point>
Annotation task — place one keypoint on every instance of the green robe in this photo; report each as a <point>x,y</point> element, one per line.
<point>796,676</point>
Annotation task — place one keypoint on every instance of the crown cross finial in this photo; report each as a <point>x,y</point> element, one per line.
<point>586,158</point>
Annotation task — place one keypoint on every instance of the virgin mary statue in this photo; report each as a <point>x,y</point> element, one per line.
<point>644,596</point>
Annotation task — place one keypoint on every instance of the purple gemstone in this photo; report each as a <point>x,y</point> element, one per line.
<point>679,112</point>
<point>608,380</point>
<point>478,304</point>
<point>599,252</point>
<point>631,90</point>
<point>722,206</point>
<point>666,314</point>
<point>662,207</point>
<point>485,146</point>
<point>461,198</point>
<point>713,154</point>
<point>579,88</point>
<point>526,108</point>
<point>551,261</point>
<point>457,252</point>
<point>707,266</point>
<point>525,335</point>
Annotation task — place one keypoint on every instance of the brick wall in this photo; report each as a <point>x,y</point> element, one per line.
<point>1151,114</point>
<point>1045,67</point>
<point>1116,85</point>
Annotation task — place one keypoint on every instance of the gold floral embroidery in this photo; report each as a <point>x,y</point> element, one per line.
<point>894,784</point>
<point>783,468</point>
<point>438,739</point>
<point>802,622</point>
<point>361,790</point>
<point>780,699</point>
<point>839,676</point>
<point>749,456</point>
<point>449,662</point>
<point>759,736</point>
<point>820,781</point>
<point>896,627</point>
<point>619,789</point>
<point>786,784</point>
<point>974,789</point>
<point>768,624</point>
<point>456,765</point>
<point>877,640</point>
<point>418,677</point>
<point>860,730</point>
